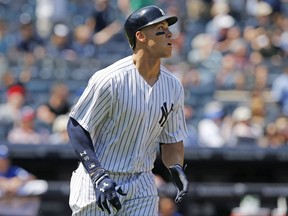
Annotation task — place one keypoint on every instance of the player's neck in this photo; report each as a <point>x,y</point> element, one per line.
<point>149,68</point>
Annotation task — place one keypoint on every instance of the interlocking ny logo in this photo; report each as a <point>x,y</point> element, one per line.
<point>165,113</point>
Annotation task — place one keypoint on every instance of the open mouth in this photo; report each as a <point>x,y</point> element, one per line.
<point>169,44</point>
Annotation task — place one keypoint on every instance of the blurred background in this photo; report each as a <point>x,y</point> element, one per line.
<point>231,57</point>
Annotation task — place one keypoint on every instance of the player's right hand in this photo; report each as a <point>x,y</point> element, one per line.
<point>105,190</point>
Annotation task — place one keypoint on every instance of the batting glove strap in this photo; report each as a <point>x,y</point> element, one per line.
<point>97,176</point>
<point>180,181</point>
<point>100,179</point>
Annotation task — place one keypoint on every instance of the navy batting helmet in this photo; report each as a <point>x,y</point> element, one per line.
<point>143,17</point>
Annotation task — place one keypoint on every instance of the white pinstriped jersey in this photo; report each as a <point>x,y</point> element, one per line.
<point>127,118</point>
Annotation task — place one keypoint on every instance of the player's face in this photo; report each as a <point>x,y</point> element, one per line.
<point>159,40</point>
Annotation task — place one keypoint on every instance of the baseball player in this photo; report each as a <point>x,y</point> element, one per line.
<point>126,111</point>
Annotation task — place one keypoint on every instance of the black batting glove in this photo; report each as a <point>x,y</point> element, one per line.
<point>179,180</point>
<point>105,190</point>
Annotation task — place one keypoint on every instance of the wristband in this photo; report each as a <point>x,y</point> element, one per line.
<point>98,175</point>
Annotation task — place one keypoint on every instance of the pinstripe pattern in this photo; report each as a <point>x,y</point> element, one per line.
<point>141,198</point>
<point>127,118</point>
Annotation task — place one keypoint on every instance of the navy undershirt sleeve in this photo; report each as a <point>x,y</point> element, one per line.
<point>83,146</point>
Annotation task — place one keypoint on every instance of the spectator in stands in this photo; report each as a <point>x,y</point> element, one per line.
<point>260,77</point>
<point>12,177</point>
<point>229,77</point>
<point>250,205</point>
<point>59,130</point>
<point>214,128</point>
<point>283,38</point>
<point>258,13</point>
<point>105,22</point>
<point>4,65</point>
<point>260,40</point>
<point>239,51</point>
<point>7,79</point>
<point>5,37</point>
<point>167,206</point>
<point>82,43</point>
<point>280,91</point>
<point>127,6</point>
<point>19,189</point>
<point>57,104</point>
<point>10,110</point>
<point>48,13</point>
<point>259,110</point>
<point>281,208</point>
<point>233,34</point>
<point>59,44</point>
<point>29,41</point>
<point>275,133</point>
<point>219,25</point>
<point>28,48</point>
<point>205,58</point>
<point>271,137</point>
<point>24,130</point>
<point>244,131</point>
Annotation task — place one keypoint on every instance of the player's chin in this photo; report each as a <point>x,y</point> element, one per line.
<point>169,50</point>
<point>167,54</point>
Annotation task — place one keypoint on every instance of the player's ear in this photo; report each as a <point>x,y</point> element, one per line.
<point>140,36</point>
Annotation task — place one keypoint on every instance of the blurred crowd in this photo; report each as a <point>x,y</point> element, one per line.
<point>231,57</point>
<point>20,190</point>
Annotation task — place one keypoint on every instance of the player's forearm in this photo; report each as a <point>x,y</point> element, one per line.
<point>83,146</point>
<point>172,154</point>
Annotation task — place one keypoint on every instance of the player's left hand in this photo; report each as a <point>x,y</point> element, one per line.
<point>106,192</point>
<point>180,181</point>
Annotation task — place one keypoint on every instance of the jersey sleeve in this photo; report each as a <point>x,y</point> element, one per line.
<point>94,104</point>
<point>175,129</point>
